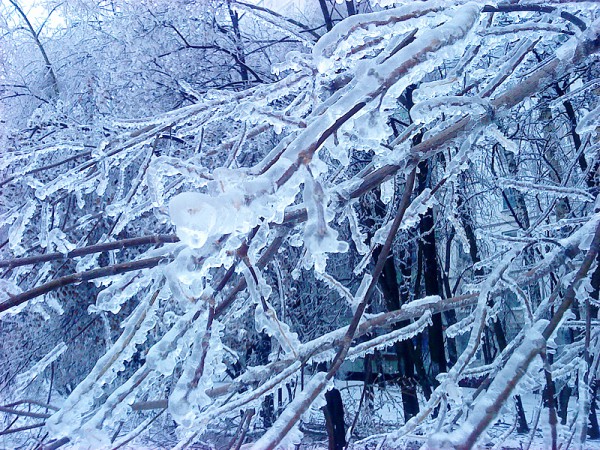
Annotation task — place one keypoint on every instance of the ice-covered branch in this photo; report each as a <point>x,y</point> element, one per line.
<point>90,249</point>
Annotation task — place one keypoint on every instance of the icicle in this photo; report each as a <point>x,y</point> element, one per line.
<point>358,237</point>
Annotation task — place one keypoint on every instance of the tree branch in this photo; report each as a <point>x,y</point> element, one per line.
<point>97,248</point>
<point>536,8</point>
<point>116,269</point>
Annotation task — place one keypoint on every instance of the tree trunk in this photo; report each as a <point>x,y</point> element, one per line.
<point>326,15</point>
<point>263,349</point>
<point>239,48</point>
<point>427,248</point>
<point>334,420</point>
<point>404,349</point>
<point>432,285</point>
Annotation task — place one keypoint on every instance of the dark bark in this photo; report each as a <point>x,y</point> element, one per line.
<point>427,249</point>
<point>334,419</point>
<point>326,15</point>
<point>570,111</point>
<point>19,299</point>
<point>404,349</point>
<point>262,350</point>
<point>430,277</point>
<point>593,427</point>
<point>522,426</point>
<point>350,7</point>
<point>563,403</point>
<point>239,49</point>
<point>97,248</point>
<point>536,8</point>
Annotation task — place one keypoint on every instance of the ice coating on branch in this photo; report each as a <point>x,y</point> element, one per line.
<point>416,209</point>
<point>361,292</point>
<point>259,242</point>
<point>57,241</point>
<point>8,289</point>
<point>161,360</point>
<point>432,89</point>
<point>234,205</point>
<point>267,321</point>
<point>87,262</point>
<point>237,206</point>
<point>431,109</point>
<point>389,339</point>
<point>189,398</point>
<point>590,122</point>
<point>297,407</point>
<point>185,278</point>
<point>25,378</point>
<point>17,229</point>
<point>493,131</point>
<point>387,191</point>
<point>113,297</point>
<point>44,225</point>
<point>80,402</point>
<point>558,191</point>
<point>351,29</point>
<point>484,406</point>
<point>195,216</point>
<point>358,237</point>
<point>461,327</point>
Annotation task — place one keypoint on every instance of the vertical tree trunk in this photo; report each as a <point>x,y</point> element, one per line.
<point>334,420</point>
<point>326,15</point>
<point>593,427</point>
<point>404,349</point>
<point>432,285</point>
<point>263,349</point>
<point>427,248</point>
<point>350,7</point>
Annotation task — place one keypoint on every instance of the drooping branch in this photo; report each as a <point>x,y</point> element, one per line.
<point>23,428</point>
<point>18,412</point>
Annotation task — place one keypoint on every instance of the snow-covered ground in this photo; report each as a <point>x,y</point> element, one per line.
<point>384,415</point>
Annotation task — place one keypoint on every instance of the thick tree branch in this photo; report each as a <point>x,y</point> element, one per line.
<point>116,269</point>
<point>97,248</point>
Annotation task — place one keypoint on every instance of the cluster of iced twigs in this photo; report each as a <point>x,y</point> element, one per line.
<point>233,212</point>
